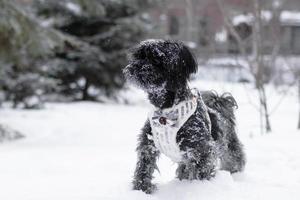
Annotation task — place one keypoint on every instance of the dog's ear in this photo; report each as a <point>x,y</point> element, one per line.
<point>184,66</point>
<point>188,62</point>
<point>180,59</point>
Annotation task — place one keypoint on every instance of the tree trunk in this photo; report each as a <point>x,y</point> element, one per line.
<point>266,111</point>
<point>85,91</point>
<point>259,67</point>
<point>261,118</point>
<point>299,102</point>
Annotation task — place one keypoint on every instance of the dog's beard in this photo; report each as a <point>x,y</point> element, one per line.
<point>158,94</point>
<point>156,89</point>
<point>149,82</point>
<point>161,97</point>
<point>131,78</point>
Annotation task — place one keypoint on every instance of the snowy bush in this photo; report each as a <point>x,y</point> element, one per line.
<point>102,31</point>
<point>72,48</point>
<point>8,134</point>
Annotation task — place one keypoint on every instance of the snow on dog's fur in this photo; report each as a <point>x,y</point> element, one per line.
<point>207,140</point>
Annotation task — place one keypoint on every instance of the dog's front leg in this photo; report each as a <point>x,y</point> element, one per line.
<point>199,163</point>
<point>202,166</point>
<point>146,161</point>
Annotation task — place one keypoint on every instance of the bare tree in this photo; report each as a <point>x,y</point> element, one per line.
<point>257,62</point>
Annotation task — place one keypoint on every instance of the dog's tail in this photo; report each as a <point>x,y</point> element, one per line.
<point>220,110</point>
<point>224,104</point>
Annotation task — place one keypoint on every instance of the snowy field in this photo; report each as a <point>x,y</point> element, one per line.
<point>86,151</point>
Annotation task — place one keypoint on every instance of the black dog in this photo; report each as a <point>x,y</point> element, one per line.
<point>196,130</point>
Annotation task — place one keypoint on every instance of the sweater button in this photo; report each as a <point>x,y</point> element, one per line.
<point>163,120</point>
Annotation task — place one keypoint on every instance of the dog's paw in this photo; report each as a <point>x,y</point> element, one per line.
<point>148,188</point>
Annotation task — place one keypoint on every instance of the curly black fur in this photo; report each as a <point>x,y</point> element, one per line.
<point>162,69</point>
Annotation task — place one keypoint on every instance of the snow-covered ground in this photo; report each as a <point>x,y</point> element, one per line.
<point>86,151</point>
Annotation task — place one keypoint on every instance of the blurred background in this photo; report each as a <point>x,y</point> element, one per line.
<point>61,86</point>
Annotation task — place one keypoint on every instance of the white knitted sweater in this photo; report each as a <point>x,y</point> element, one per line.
<point>165,124</point>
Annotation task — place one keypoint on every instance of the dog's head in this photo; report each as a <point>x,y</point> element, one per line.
<point>164,64</point>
